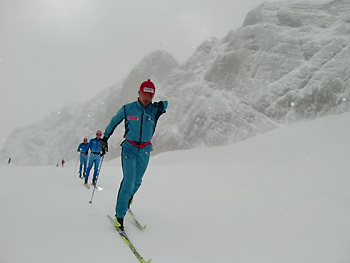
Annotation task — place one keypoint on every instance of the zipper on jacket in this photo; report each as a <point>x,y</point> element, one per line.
<point>143,110</point>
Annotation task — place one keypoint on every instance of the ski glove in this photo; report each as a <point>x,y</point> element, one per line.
<point>104,145</point>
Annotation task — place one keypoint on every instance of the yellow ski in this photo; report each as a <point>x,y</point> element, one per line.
<point>127,241</point>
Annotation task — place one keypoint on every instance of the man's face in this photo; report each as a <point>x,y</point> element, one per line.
<point>146,98</point>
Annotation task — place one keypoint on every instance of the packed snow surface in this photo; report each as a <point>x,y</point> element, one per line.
<point>280,197</point>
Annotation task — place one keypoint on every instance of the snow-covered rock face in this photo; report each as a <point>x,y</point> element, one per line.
<point>291,60</point>
<point>288,62</point>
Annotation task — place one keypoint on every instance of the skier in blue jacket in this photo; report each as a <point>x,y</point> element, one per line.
<point>140,119</point>
<point>95,155</point>
<point>83,148</point>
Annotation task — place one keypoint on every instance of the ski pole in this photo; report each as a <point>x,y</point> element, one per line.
<point>76,166</point>
<point>98,174</point>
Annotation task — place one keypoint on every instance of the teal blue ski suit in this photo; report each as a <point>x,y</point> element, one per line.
<point>140,124</point>
<point>83,148</point>
<point>94,159</point>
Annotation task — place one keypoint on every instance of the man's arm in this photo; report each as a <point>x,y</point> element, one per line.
<point>162,106</point>
<point>115,121</point>
<point>89,145</point>
<point>165,105</point>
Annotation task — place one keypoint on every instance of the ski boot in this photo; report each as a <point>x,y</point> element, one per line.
<point>119,223</point>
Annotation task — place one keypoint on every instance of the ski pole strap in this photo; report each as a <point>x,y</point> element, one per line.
<point>139,144</point>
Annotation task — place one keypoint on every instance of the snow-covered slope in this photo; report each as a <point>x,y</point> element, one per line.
<point>280,197</point>
<point>288,62</point>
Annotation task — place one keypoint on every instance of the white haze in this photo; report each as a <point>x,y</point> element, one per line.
<point>56,52</point>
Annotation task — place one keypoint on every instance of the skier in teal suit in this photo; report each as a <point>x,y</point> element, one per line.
<point>83,148</point>
<point>95,157</point>
<point>140,119</point>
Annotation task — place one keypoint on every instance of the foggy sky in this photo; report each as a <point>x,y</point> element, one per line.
<point>53,52</point>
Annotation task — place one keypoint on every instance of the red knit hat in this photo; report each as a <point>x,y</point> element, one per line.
<point>147,86</point>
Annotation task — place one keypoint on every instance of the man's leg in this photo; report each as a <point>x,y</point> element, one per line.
<point>127,184</point>
<point>97,164</point>
<point>141,166</point>
<point>85,164</point>
<point>81,165</point>
<point>91,162</point>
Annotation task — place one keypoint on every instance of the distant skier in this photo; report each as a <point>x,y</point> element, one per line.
<point>140,119</point>
<point>63,162</point>
<point>9,161</point>
<point>95,155</point>
<point>83,148</point>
